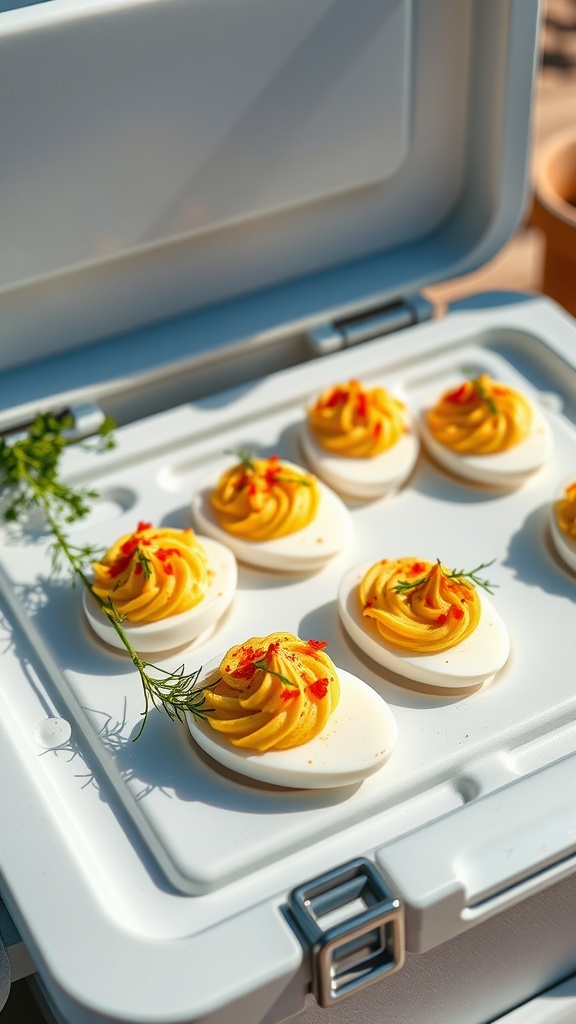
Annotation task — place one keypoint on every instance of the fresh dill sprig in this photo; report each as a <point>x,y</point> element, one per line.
<point>29,475</point>
<point>29,467</point>
<point>405,585</point>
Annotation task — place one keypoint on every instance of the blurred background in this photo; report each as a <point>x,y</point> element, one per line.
<point>520,264</point>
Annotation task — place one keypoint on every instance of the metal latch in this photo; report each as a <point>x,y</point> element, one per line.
<point>371,323</point>
<point>354,926</point>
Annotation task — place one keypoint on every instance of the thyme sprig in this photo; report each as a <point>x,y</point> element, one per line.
<point>246,459</point>
<point>29,474</point>
<point>457,574</point>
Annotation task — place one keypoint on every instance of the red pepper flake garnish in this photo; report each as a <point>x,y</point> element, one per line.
<point>272,649</point>
<point>377,429</point>
<point>338,396</point>
<point>137,569</point>
<point>169,569</point>
<point>118,567</point>
<point>442,619</point>
<point>319,688</point>
<point>460,395</point>
<point>162,554</point>
<point>130,545</point>
<point>245,668</point>
<point>143,526</point>
<point>457,612</point>
<point>317,645</point>
<point>362,405</point>
<point>289,694</point>
<point>416,568</point>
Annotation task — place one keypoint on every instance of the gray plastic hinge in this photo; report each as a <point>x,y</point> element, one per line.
<point>368,325</point>
<point>354,927</point>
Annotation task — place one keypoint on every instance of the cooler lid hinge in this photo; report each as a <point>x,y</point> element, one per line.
<point>369,324</point>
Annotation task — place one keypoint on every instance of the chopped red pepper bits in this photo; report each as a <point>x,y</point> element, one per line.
<point>289,694</point>
<point>416,568</point>
<point>319,688</point>
<point>460,395</point>
<point>317,645</point>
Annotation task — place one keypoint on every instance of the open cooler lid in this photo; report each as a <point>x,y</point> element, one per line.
<point>317,156</point>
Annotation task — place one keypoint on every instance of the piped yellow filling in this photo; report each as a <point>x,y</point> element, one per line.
<point>566,511</point>
<point>480,417</point>
<point>274,692</point>
<point>417,606</point>
<point>152,573</point>
<point>356,422</point>
<point>260,499</point>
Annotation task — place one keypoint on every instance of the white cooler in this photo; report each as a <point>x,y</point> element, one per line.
<point>211,210</point>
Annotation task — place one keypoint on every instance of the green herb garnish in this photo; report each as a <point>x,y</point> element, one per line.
<point>29,474</point>
<point>261,664</point>
<point>246,459</point>
<point>479,389</point>
<point>404,585</point>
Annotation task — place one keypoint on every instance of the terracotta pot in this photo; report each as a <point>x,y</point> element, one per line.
<point>555,213</point>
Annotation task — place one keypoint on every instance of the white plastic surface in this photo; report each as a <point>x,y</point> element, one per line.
<point>111,812</point>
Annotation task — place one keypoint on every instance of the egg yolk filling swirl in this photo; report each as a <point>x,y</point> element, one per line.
<point>419,606</point>
<point>152,573</point>
<point>261,499</point>
<point>480,417</point>
<point>355,422</point>
<point>566,512</point>
<point>273,692</point>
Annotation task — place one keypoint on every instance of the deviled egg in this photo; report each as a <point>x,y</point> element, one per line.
<point>273,514</point>
<point>563,523</point>
<point>424,621</point>
<point>166,587</point>
<point>487,432</point>
<point>277,709</point>
<point>361,441</point>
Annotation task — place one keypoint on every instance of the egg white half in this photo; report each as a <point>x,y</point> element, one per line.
<point>500,469</point>
<point>305,550</point>
<point>363,478</point>
<point>463,667</point>
<point>359,737</point>
<point>175,630</point>
<point>565,546</point>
